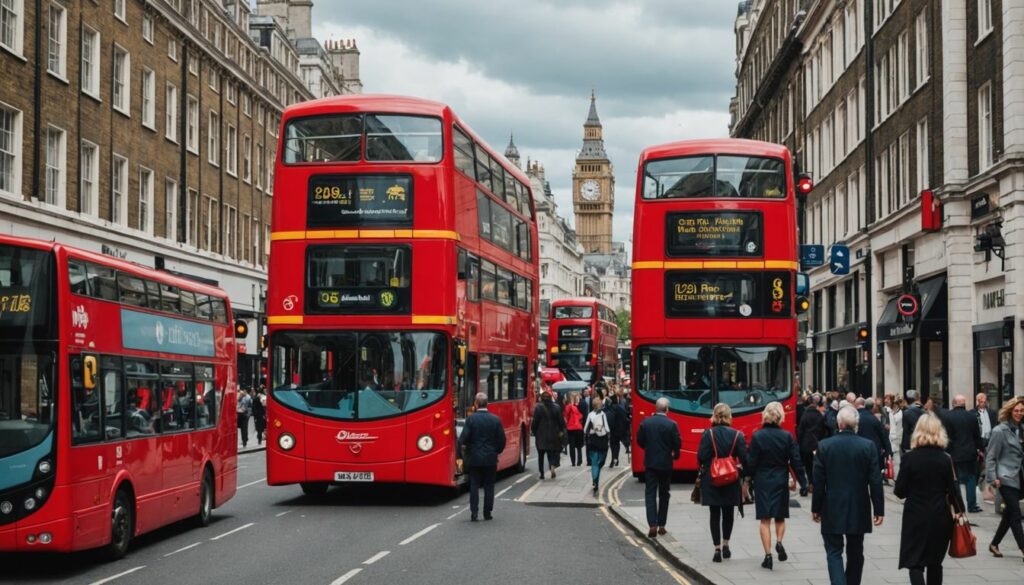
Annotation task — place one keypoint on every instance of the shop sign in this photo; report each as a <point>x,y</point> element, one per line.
<point>980,206</point>
<point>993,300</point>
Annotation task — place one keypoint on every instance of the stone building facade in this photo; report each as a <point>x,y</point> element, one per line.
<point>910,116</point>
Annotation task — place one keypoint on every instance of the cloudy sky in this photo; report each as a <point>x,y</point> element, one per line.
<point>662,70</point>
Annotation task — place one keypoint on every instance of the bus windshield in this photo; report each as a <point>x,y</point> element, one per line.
<point>715,176</point>
<point>696,378</point>
<point>359,375</point>
<point>571,312</point>
<point>340,137</point>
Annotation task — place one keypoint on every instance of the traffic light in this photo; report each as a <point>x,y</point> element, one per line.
<point>802,305</point>
<point>804,184</point>
<point>241,328</point>
<point>864,337</point>
<point>263,342</point>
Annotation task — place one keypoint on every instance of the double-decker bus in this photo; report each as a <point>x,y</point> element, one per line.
<point>583,336</point>
<point>403,280</point>
<point>117,399</point>
<point>714,271</point>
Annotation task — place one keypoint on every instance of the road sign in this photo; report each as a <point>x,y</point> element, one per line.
<point>907,305</point>
<point>840,259</point>
<point>812,255</point>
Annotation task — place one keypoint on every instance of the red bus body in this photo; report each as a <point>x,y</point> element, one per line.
<point>683,264</point>
<point>360,408</point>
<point>583,334</point>
<point>174,373</point>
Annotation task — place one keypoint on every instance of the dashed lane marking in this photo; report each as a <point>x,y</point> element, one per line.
<point>376,557</point>
<point>419,534</point>
<point>461,510</point>
<point>504,491</point>
<point>522,479</point>
<point>346,577</point>
<point>117,576</point>
<point>230,532</point>
<point>279,514</point>
<point>261,480</point>
<point>528,492</point>
<point>183,549</point>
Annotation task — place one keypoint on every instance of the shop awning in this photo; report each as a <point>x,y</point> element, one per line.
<point>931,321</point>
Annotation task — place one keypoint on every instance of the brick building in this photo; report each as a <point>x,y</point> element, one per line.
<point>148,131</point>
<point>882,101</point>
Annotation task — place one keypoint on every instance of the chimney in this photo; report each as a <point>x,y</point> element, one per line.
<point>300,18</point>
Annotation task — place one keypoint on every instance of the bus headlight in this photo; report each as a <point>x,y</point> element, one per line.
<point>6,507</point>
<point>45,538</point>
<point>425,443</point>
<point>45,466</point>
<point>30,503</point>
<point>286,442</point>
<point>40,493</point>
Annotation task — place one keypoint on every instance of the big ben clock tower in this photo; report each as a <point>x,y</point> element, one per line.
<point>593,188</point>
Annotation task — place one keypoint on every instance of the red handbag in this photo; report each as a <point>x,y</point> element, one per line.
<point>890,470</point>
<point>962,542</point>
<point>724,470</point>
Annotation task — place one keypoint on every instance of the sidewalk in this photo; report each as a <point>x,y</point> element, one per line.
<point>572,488</point>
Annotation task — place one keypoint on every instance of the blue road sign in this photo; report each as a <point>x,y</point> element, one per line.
<point>812,255</point>
<point>840,259</point>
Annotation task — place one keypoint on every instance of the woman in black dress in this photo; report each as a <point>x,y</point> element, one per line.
<point>723,499</point>
<point>927,481</point>
<point>772,453</point>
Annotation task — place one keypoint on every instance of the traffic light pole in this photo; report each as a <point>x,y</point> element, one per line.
<point>868,316</point>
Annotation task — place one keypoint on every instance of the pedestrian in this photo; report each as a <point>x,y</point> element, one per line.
<point>831,427</point>
<point>721,440</point>
<point>244,409</point>
<point>928,483</point>
<point>482,439</point>
<point>963,445</point>
<point>259,414</point>
<point>619,421</point>
<point>548,428</point>
<point>658,436</point>
<point>1004,468</point>
<point>986,422</point>
<point>597,432</point>
<point>869,427</point>
<point>847,485</point>
<point>911,413</point>
<point>771,455</point>
<point>810,431</point>
<point>574,427</point>
<point>896,424</point>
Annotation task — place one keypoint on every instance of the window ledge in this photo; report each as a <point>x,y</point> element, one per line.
<point>122,111</point>
<point>150,127</point>
<point>984,35</point>
<point>95,96</point>
<point>232,173</point>
<point>17,54</point>
<point>59,77</point>
<point>121,19</point>
<point>173,139</point>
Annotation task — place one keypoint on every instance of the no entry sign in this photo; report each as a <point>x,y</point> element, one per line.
<point>907,305</point>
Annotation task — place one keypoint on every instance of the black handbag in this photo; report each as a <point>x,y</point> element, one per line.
<point>597,442</point>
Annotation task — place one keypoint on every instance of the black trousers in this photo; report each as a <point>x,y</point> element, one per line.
<point>554,459</point>
<point>656,495</point>
<point>917,575</point>
<point>576,448</point>
<point>243,425</point>
<point>481,477</point>
<point>1011,517</point>
<point>722,518</point>
<point>807,457</point>
<point>615,443</point>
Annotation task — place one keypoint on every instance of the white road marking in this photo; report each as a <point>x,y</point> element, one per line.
<point>229,532</point>
<point>117,576</point>
<point>278,515</point>
<point>346,577</point>
<point>524,478</point>
<point>183,549</point>
<point>457,513</point>
<point>527,493</point>
<point>251,483</point>
<point>504,491</point>
<point>419,534</point>
<point>376,557</point>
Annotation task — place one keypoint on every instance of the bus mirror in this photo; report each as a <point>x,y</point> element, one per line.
<point>89,372</point>
<point>459,353</point>
<point>801,355</point>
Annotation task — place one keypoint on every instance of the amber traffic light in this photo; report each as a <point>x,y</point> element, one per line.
<point>802,305</point>
<point>241,328</point>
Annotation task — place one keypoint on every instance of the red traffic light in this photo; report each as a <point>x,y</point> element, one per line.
<point>804,184</point>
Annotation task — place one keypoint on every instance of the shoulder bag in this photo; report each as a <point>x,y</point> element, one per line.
<point>962,542</point>
<point>724,470</point>
<point>598,442</point>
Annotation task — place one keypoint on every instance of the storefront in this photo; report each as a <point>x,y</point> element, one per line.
<point>993,343</point>
<point>913,347</point>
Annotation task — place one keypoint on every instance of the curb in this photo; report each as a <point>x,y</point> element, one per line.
<point>256,450</point>
<point>655,543</point>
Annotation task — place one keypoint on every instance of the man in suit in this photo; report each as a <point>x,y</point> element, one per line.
<point>986,422</point>
<point>913,412</point>
<point>847,485</point>
<point>871,428</point>
<point>963,448</point>
<point>659,437</point>
<point>810,430</point>
<point>482,439</point>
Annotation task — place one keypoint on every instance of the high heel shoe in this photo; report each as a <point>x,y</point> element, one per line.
<point>767,562</point>
<point>782,552</point>
<point>726,553</point>
<point>995,551</point>
<point>718,556</point>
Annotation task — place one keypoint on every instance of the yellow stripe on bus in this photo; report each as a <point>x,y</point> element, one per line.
<point>433,320</point>
<point>714,264</point>
<point>368,234</point>
<point>284,320</point>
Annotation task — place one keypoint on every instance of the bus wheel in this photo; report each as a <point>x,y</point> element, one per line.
<point>122,523</point>
<point>205,500</point>
<point>521,464</point>
<point>314,489</point>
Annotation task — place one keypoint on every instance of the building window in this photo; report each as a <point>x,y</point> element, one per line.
<point>171,210</point>
<point>148,99</point>
<point>147,28</point>
<point>213,135</point>
<point>90,168</point>
<point>258,171</point>
<point>231,150</point>
<point>172,49</point>
<point>55,167</point>
<point>985,143</point>
<point>903,59</point>
<point>247,159</point>
<point>923,180</point>
<point>230,232</point>
<point>208,224</point>
<point>57,47</point>
<point>122,80</point>
<point>119,9</point>
<point>146,200</point>
<point>193,64</point>
<point>191,217</point>
<point>232,96</point>
<point>903,168</point>
<point>214,78</point>
<point>246,104</point>
<point>90,62</point>
<point>921,56</point>
<point>12,25</point>
<point>984,18</point>
<point>10,151</point>
<point>192,126</point>
<point>171,114</point>
<point>255,241</point>
<point>118,183</point>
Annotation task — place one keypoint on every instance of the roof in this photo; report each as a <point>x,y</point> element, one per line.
<point>511,151</point>
<point>717,145</point>
<point>578,301</point>
<point>592,118</point>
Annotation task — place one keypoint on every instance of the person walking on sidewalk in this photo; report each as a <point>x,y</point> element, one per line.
<point>810,431</point>
<point>597,432</point>
<point>619,421</point>
<point>1004,469</point>
<point>659,437</point>
<point>927,482</point>
<point>963,445</point>
<point>986,422</point>
<point>482,439</point>
<point>911,413</point>
<point>869,427</point>
<point>244,409</point>
<point>847,485</point>
<point>548,428</point>
<point>574,427</point>
<point>259,414</point>
<point>722,500</point>
<point>771,455</point>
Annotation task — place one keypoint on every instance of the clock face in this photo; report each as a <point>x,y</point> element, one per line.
<point>590,190</point>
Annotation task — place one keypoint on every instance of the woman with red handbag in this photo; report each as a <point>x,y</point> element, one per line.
<point>927,481</point>
<point>721,447</point>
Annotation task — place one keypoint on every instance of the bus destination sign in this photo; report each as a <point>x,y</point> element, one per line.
<point>690,294</point>
<point>726,233</point>
<point>359,200</point>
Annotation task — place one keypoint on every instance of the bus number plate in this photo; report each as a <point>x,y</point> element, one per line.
<point>353,476</point>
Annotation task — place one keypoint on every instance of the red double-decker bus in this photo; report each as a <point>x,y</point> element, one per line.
<point>116,399</point>
<point>403,280</point>
<point>583,336</point>
<point>714,271</point>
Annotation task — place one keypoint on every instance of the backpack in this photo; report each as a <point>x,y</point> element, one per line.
<point>724,470</point>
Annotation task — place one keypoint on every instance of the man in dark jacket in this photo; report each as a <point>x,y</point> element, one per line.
<point>548,428</point>
<point>658,436</point>
<point>831,410</point>
<point>913,412</point>
<point>618,420</point>
<point>871,428</point>
<point>810,431</point>
<point>964,444</point>
<point>847,485</point>
<point>482,439</point>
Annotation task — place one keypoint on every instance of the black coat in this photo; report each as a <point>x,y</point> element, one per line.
<point>482,439</point>
<point>831,427</point>
<point>964,435</point>
<point>658,436</point>
<point>772,452</point>
<point>910,416</point>
<point>618,420</point>
<point>727,495</point>
<point>548,426</point>
<point>926,480</point>
<point>811,430</point>
<point>847,484</point>
<point>871,428</point>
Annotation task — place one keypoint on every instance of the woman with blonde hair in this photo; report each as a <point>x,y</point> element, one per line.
<point>597,432</point>
<point>928,483</point>
<point>1004,469</point>
<point>721,440</point>
<point>773,452</point>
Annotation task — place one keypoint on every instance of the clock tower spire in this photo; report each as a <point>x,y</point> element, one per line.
<point>593,187</point>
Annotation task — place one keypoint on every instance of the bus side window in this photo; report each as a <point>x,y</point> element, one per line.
<point>78,277</point>
<point>206,401</point>
<point>144,406</point>
<point>521,372</point>
<point>473,279</point>
<point>103,282</point>
<point>86,409</point>
<point>113,398</point>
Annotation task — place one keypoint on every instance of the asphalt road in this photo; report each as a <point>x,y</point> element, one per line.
<point>369,534</point>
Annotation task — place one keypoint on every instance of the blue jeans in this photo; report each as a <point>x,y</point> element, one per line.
<point>854,558</point>
<point>967,474</point>
<point>597,459</point>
